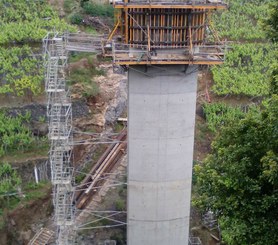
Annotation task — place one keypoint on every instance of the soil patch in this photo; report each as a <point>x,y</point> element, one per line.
<point>23,222</point>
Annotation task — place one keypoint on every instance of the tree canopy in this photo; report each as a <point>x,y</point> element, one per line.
<point>271,23</point>
<point>239,179</point>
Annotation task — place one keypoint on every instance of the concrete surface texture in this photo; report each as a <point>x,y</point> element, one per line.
<point>161,118</point>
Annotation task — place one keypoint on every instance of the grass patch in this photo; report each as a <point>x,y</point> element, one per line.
<point>120,205</point>
<point>202,131</point>
<point>84,75</point>
<point>70,5</point>
<point>38,148</point>
<point>81,75</point>
<point>31,192</point>
<point>118,127</point>
<point>89,30</point>
<point>76,56</point>
<point>79,177</point>
<point>75,18</point>
<point>34,191</point>
<point>91,90</point>
<point>95,9</point>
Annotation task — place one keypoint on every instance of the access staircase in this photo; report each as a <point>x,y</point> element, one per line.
<point>42,237</point>
<point>59,111</point>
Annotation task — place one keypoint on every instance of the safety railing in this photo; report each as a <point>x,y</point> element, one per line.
<point>212,3</point>
<point>140,53</point>
<point>84,42</point>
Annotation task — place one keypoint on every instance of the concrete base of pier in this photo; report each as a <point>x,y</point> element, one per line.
<point>161,119</point>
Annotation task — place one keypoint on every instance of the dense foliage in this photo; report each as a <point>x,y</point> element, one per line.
<point>239,179</point>
<point>95,9</point>
<point>221,114</point>
<point>271,22</point>
<point>240,21</point>
<point>20,72</point>
<point>246,70</point>
<point>81,10</point>
<point>23,21</point>
<point>14,135</point>
<point>9,179</point>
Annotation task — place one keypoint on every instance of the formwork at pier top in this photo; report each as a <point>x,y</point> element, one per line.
<point>161,32</point>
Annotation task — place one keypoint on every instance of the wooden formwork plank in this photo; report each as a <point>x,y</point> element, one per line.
<point>169,6</point>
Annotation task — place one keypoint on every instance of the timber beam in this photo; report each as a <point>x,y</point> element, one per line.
<point>169,6</point>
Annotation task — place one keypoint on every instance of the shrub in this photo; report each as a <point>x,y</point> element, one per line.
<point>120,205</point>
<point>95,9</point>
<point>13,134</point>
<point>91,91</point>
<point>220,114</point>
<point>76,18</point>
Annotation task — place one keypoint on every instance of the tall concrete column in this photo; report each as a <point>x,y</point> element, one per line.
<point>161,113</point>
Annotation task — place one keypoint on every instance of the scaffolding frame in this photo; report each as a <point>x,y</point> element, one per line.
<point>194,241</point>
<point>127,54</point>
<point>159,32</point>
<point>59,112</point>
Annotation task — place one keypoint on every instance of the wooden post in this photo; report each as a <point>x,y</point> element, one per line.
<point>126,23</point>
<point>149,39</point>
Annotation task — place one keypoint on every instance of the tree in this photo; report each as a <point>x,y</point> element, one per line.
<point>239,179</point>
<point>274,79</point>
<point>271,23</point>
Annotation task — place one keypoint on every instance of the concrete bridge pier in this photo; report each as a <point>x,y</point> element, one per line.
<point>161,112</point>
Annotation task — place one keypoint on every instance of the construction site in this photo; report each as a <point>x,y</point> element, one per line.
<point>160,45</point>
<point>130,122</point>
<point>137,122</point>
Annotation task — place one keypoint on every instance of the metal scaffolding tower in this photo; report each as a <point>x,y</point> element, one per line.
<point>59,112</point>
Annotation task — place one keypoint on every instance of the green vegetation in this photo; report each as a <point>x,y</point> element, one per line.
<point>221,114</point>
<point>271,22</point>
<point>20,72</point>
<point>95,9</point>
<point>119,237</point>
<point>274,79</point>
<point>22,22</point>
<point>9,179</point>
<point>70,5</point>
<point>34,190</point>
<point>76,18</point>
<point>246,70</point>
<point>79,10</point>
<point>14,135</point>
<point>240,21</point>
<point>83,74</point>
<point>239,179</point>
<point>76,56</point>
<point>11,198</point>
<point>120,205</point>
<point>9,182</point>
<point>25,21</point>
